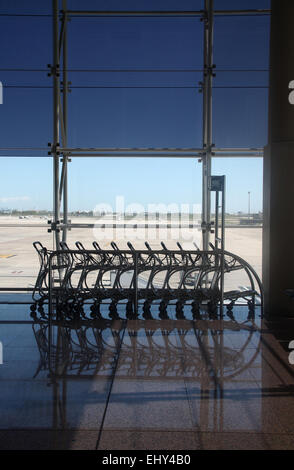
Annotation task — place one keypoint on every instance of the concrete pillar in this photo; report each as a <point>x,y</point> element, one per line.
<point>278,232</point>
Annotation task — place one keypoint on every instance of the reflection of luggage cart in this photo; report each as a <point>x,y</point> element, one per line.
<point>152,349</point>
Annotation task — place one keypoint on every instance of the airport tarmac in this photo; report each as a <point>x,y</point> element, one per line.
<point>19,263</point>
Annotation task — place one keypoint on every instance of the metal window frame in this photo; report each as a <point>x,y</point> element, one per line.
<point>59,147</point>
<point>60,115</point>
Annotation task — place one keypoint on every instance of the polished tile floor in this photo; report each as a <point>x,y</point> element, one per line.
<point>146,384</point>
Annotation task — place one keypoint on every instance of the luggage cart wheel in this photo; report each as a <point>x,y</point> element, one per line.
<point>33,314</point>
<point>78,311</point>
<point>95,310</point>
<point>196,310</point>
<point>230,314</point>
<point>230,306</point>
<point>59,311</point>
<point>180,310</point>
<point>147,310</point>
<point>113,311</point>
<point>162,311</point>
<point>212,309</point>
<point>130,314</point>
<point>251,310</point>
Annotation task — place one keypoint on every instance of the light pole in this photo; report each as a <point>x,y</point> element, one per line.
<point>249,204</point>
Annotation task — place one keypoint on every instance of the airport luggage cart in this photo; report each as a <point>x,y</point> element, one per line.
<point>77,277</point>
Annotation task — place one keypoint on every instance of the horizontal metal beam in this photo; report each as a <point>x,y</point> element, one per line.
<point>133,225</point>
<point>139,149</point>
<point>238,149</point>
<point>143,152</point>
<point>164,13</point>
<point>166,155</point>
<point>214,155</point>
<point>17,289</point>
<point>141,13</point>
<point>237,155</point>
<point>136,155</point>
<point>161,152</point>
<point>260,11</point>
<point>133,13</point>
<point>165,224</point>
<point>23,148</point>
<point>130,149</point>
<point>157,150</point>
<point>237,152</point>
<point>128,70</point>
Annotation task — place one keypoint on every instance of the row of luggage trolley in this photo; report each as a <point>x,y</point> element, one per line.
<point>80,283</point>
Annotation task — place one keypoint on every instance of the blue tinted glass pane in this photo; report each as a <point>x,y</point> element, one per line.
<point>135,42</point>
<point>241,4</point>
<point>234,79</point>
<point>135,118</point>
<point>34,7</point>
<point>242,42</point>
<point>135,5</point>
<point>26,117</point>
<point>240,117</point>
<point>28,42</point>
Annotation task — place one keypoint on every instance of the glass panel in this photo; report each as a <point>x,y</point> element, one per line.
<point>34,7</point>
<point>243,206</point>
<point>241,4</point>
<point>124,111</point>
<point>135,5</point>
<point>242,42</point>
<point>26,118</point>
<point>239,79</point>
<point>135,118</point>
<point>28,40</point>
<point>134,191</point>
<point>135,42</point>
<point>25,202</point>
<point>240,117</point>
<point>26,112</point>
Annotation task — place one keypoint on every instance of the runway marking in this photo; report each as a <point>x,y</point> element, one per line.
<point>6,256</point>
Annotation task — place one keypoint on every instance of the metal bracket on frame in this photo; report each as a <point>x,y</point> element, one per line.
<point>54,149</point>
<point>53,70</point>
<point>209,71</point>
<point>58,226</point>
<point>207,227</point>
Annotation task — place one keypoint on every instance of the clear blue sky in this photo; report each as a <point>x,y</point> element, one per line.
<point>133,117</point>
